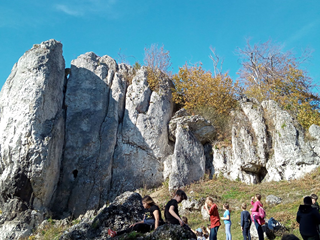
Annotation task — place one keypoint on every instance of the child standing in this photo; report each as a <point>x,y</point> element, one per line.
<point>245,222</point>
<point>212,209</point>
<point>227,221</point>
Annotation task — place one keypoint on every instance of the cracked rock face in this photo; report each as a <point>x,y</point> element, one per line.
<point>32,129</point>
<point>94,106</point>
<point>142,140</point>
<point>267,144</point>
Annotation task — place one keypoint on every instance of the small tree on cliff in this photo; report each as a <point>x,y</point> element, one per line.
<point>201,92</point>
<point>158,62</point>
<point>267,73</point>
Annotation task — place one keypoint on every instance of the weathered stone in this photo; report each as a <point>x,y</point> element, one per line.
<point>267,145</point>
<point>205,214</point>
<point>31,132</point>
<point>273,200</point>
<point>142,140</point>
<point>125,210</point>
<point>200,127</point>
<point>188,160</point>
<point>95,103</point>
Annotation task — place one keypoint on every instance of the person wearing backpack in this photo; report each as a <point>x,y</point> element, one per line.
<point>257,215</point>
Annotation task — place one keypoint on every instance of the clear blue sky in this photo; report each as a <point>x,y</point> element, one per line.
<point>186,28</point>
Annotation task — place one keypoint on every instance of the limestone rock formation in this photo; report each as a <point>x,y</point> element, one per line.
<point>73,139</point>
<point>267,145</point>
<point>31,134</point>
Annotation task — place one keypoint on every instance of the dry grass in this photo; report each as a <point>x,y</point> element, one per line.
<point>235,193</point>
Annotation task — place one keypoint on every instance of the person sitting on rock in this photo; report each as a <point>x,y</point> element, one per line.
<point>152,219</point>
<point>171,212</point>
<point>308,219</point>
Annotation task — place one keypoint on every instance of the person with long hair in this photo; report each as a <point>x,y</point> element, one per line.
<point>255,215</point>
<point>227,221</point>
<point>152,219</point>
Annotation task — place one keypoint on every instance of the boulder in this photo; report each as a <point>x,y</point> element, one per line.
<point>174,232</point>
<point>125,210</point>
<point>273,200</point>
<point>200,127</point>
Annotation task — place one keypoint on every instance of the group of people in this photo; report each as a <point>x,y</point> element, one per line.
<point>308,217</point>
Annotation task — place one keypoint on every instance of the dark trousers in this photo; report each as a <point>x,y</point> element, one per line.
<point>310,238</point>
<point>139,227</point>
<point>259,230</point>
<point>246,232</point>
<point>214,233</point>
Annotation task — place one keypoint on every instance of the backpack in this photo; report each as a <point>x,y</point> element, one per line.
<point>262,213</point>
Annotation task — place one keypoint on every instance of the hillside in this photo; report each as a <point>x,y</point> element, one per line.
<point>235,193</point>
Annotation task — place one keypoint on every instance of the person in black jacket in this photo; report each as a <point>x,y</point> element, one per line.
<point>152,219</point>
<point>309,219</point>
<point>245,222</point>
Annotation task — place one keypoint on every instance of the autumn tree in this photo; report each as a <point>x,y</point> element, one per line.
<point>267,73</point>
<point>201,92</point>
<point>158,61</point>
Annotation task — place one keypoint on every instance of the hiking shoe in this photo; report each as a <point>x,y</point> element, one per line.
<point>112,233</point>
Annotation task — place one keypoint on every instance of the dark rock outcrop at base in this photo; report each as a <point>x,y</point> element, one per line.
<point>125,210</point>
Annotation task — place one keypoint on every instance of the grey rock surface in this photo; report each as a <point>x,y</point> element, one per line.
<point>200,127</point>
<point>267,145</point>
<point>142,140</point>
<point>125,210</point>
<point>31,134</point>
<point>94,106</point>
<point>273,200</point>
<point>188,160</point>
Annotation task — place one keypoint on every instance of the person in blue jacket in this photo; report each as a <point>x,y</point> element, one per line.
<point>245,222</point>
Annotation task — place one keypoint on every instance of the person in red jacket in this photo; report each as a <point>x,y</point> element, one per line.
<point>212,209</point>
<point>255,215</point>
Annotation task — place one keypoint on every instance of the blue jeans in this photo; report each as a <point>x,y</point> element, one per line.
<point>228,231</point>
<point>259,230</point>
<point>246,232</point>
<point>213,233</point>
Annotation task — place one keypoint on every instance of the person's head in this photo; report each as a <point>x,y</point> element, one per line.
<point>244,206</point>
<point>147,202</point>
<point>307,200</point>
<point>258,197</point>
<point>289,237</point>
<point>204,229</point>
<point>314,198</point>
<point>209,201</point>
<point>199,232</point>
<point>184,219</point>
<point>206,235</point>
<point>180,196</point>
<point>226,206</point>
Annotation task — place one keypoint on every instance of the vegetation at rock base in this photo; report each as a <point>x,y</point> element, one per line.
<point>235,193</point>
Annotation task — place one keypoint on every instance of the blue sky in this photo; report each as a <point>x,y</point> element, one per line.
<point>186,28</point>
